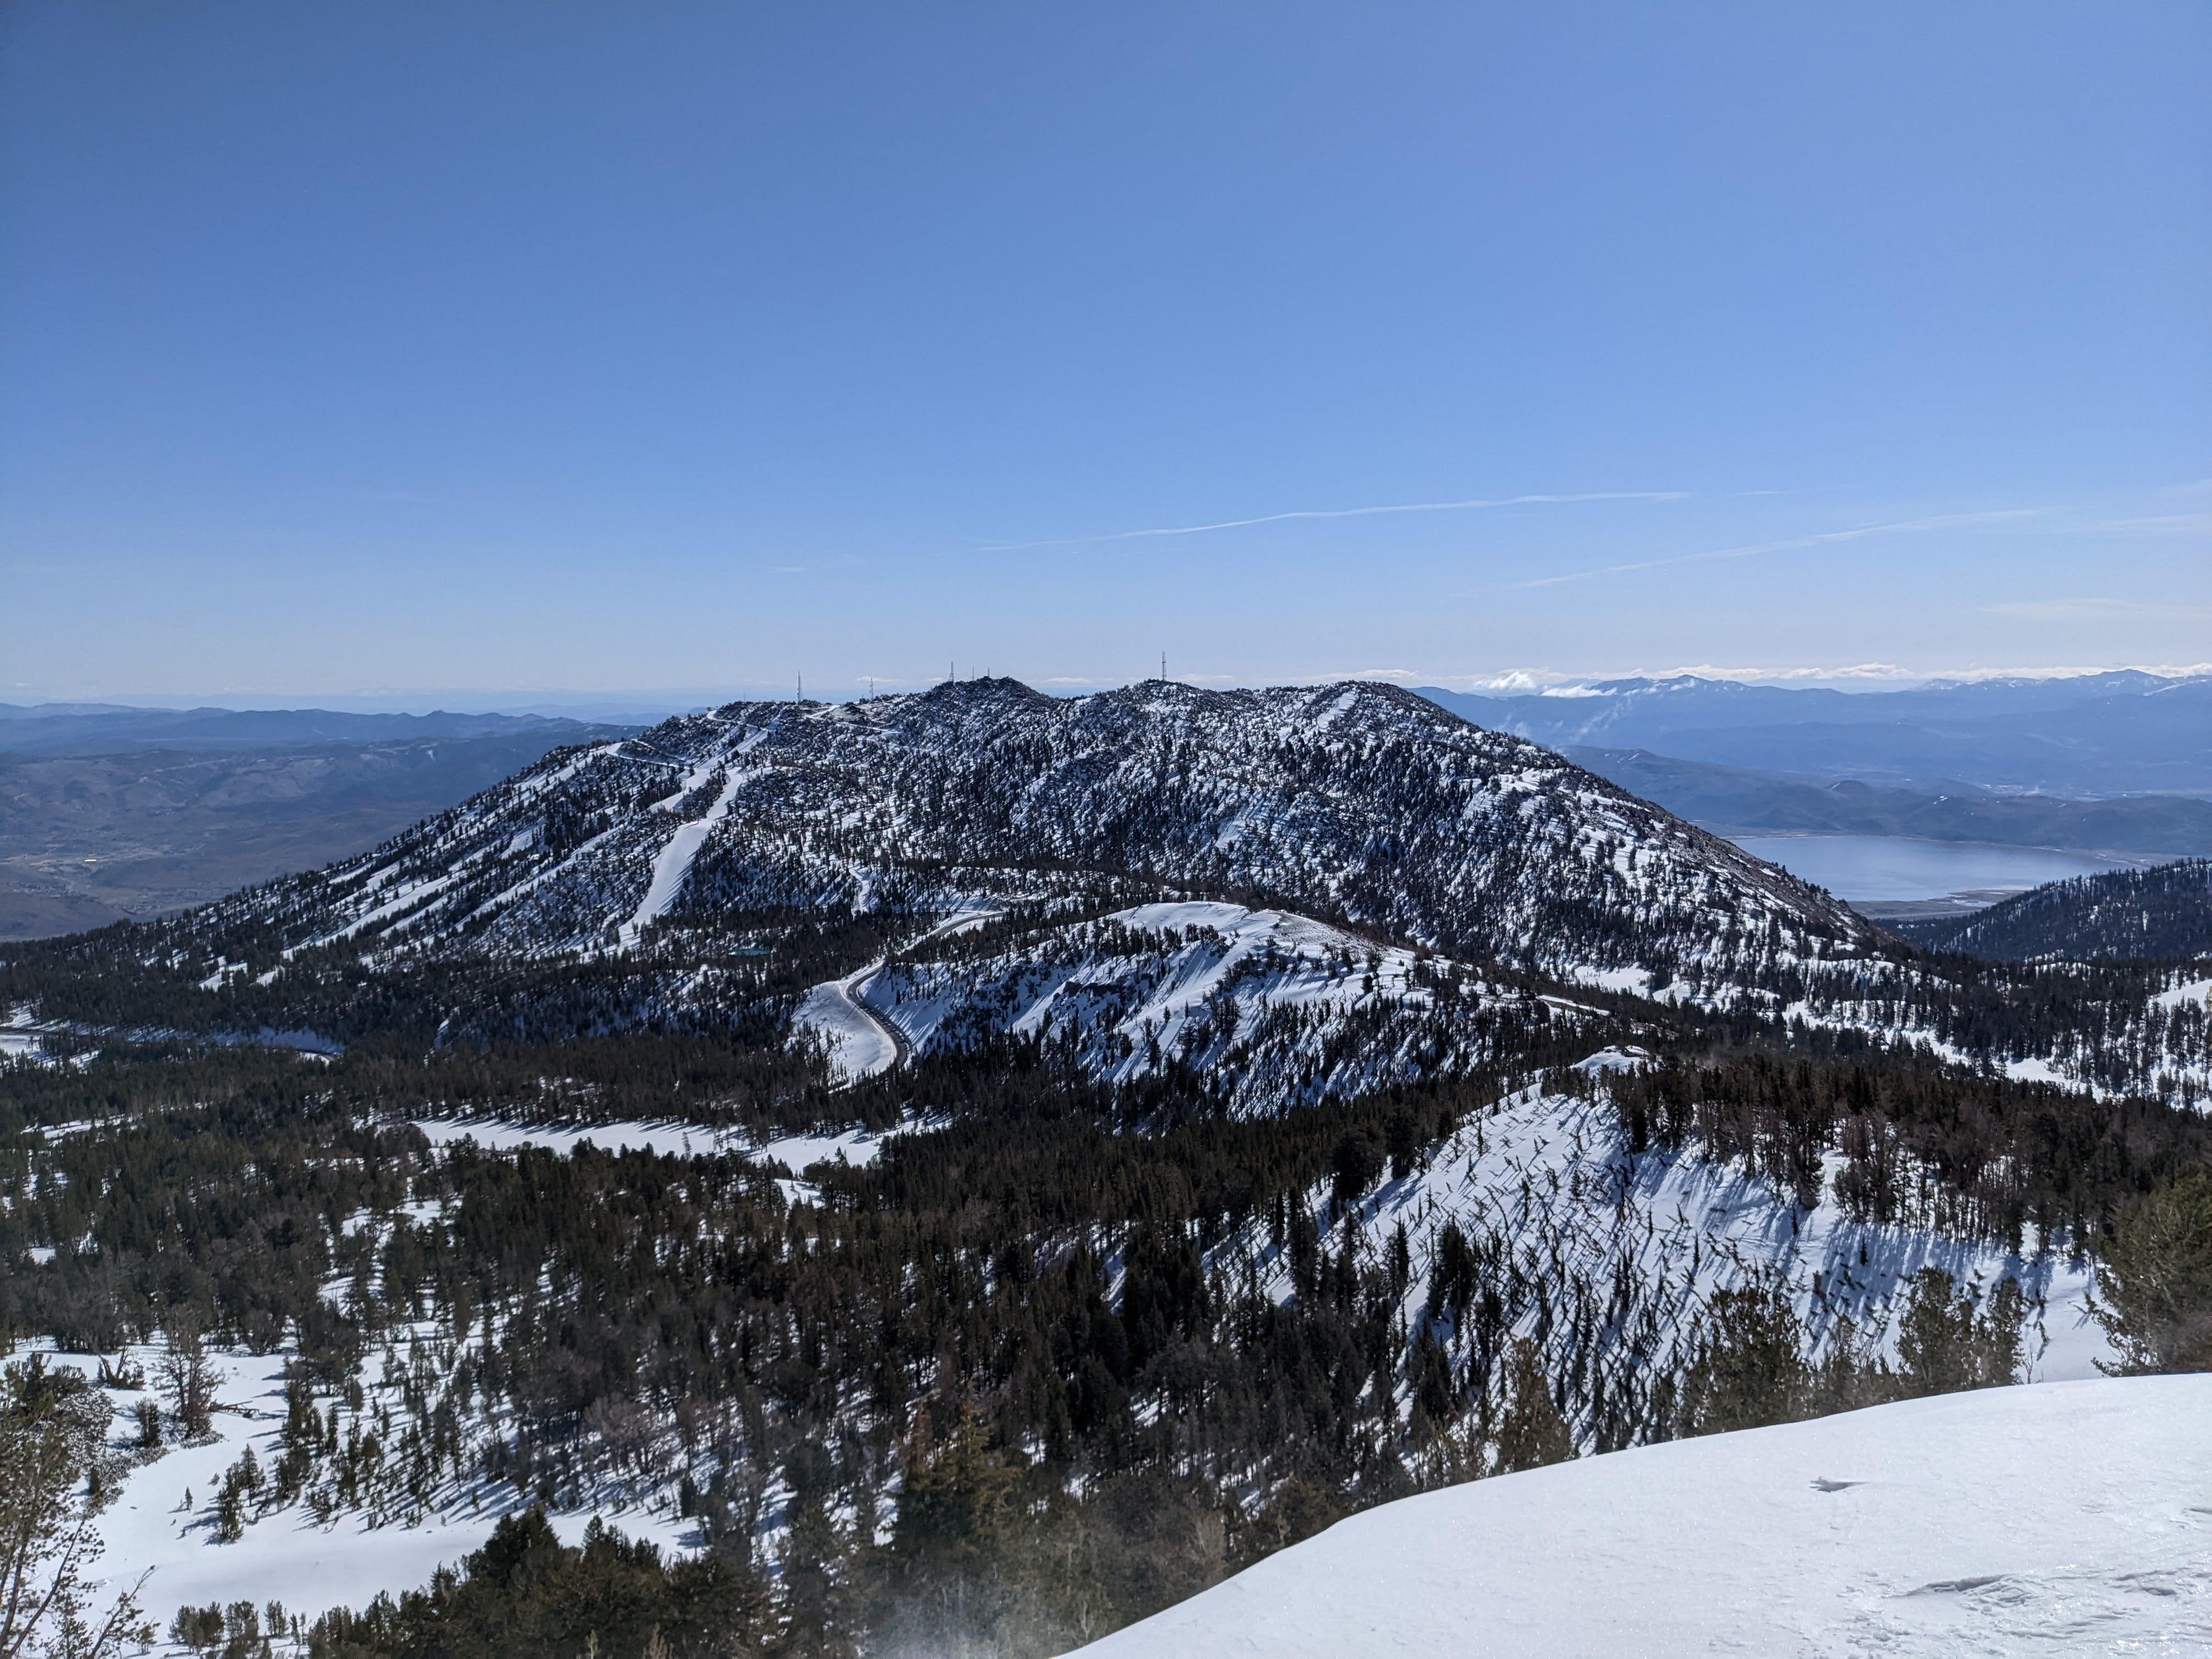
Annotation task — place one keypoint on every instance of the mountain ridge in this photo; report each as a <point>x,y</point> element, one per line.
<point>1359,799</point>
<point>721,869</point>
<point>2119,733</point>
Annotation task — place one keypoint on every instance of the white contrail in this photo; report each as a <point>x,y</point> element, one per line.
<point>1343,512</point>
<point>1855,533</point>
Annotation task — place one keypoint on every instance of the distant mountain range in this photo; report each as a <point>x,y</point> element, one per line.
<point>2092,735</point>
<point>1737,800</point>
<point>109,729</point>
<point>109,812</point>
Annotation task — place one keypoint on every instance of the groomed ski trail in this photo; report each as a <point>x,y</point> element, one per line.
<point>673,862</point>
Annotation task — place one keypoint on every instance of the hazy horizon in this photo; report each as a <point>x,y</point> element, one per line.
<point>610,702</point>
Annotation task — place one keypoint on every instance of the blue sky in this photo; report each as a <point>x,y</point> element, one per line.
<point>392,349</point>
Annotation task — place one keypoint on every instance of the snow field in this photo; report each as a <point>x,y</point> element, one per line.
<point>858,1147</point>
<point>285,1555</point>
<point>852,1038</point>
<point>1551,1175</point>
<point>2066,1519</point>
<point>2197,991</point>
<point>1199,982</point>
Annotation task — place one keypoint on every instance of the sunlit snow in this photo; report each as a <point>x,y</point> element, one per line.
<point>2070,1518</point>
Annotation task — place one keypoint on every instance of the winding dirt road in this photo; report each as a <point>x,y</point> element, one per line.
<point>836,1005</point>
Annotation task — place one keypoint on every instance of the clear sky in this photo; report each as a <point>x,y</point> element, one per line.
<point>384,347</point>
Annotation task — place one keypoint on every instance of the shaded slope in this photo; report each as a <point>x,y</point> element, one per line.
<point>2163,914</point>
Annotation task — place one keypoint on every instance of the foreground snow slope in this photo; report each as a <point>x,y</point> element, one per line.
<point>2068,1517</point>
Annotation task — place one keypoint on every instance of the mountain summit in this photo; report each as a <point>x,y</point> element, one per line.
<point>1360,803</point>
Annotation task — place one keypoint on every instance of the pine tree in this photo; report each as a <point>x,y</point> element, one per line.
<point>2156,1280</point>
<point>817,1622</point>
<point>53,1430</point>
<point>955,1496</point>
<point>1945,1345</point>
<point>1749,1371</point>
<point>1531,1432</point>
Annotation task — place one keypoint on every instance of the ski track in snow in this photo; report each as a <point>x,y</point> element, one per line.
<point>2070,1518</point>
<point>673,862</point>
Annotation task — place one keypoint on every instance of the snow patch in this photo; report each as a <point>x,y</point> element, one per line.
<point>2198,991</point>
<point>151,1528</point>
<point>858,1147</point>
<point>855,1040</point>
<point>673,862</point>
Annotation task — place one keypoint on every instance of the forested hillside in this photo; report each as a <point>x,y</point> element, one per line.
<point>890,1401</point>
<point>2163,914</point>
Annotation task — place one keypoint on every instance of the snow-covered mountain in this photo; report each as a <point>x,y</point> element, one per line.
<point>1481,895</point>
<point>2065,1518</point>
<point>1356,802</point>
<point>1271,1006</point>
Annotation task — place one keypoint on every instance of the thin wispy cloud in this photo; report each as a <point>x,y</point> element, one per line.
<point>1476,505</point>
<point>1794,544</point>
<point>2085,610</point>
<point>2170,523</point>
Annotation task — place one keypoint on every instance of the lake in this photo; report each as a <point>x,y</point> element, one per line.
<point>1892,869</point>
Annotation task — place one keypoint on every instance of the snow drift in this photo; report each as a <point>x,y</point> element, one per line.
<point>2068,1517</point>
